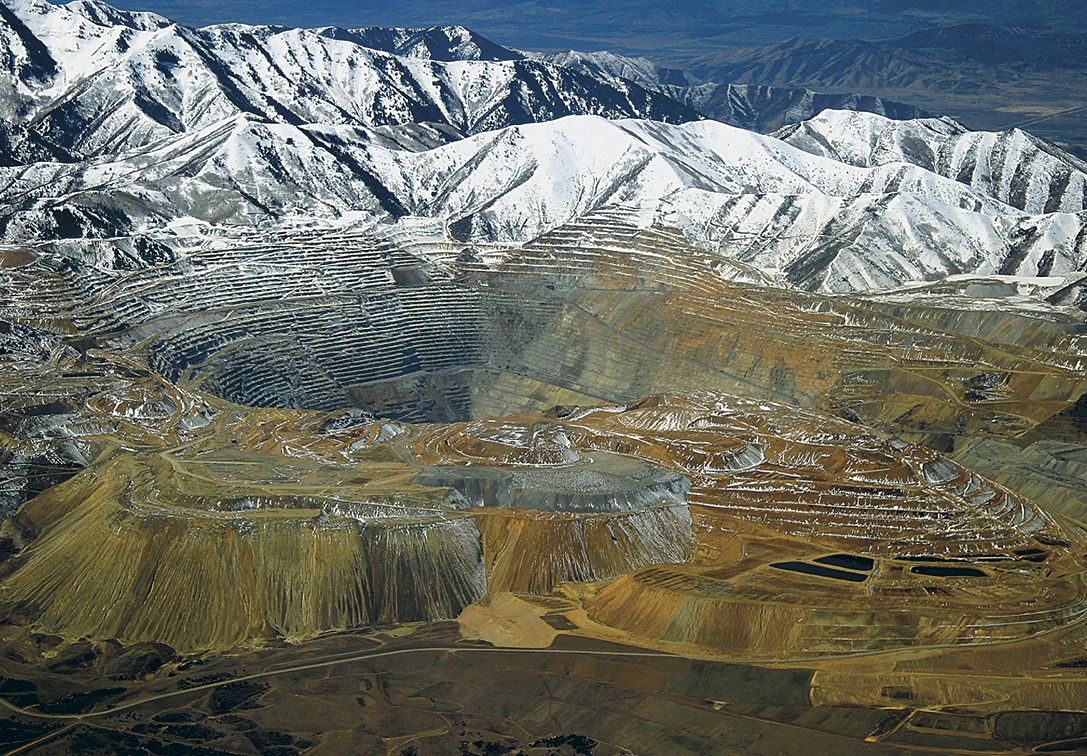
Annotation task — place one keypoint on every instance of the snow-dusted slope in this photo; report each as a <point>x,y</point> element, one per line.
<point>1012,166</point>
<point>607,64</point>
<point>824,224</point>
<point>447,43</point>
<point>874,241</point>
<point>121,123</point>
<point>91,80</point>
<point>766,109</point>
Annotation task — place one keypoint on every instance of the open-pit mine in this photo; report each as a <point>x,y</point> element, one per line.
<point>389,391</point>
<point>598,448</point>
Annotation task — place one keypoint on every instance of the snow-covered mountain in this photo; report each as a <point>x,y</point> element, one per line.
<point>89,80</point>
<point>1013,166</point>
<point>123,123</point>
<point>766,109</point>
<point>445,43</point>
<point>824,223</point>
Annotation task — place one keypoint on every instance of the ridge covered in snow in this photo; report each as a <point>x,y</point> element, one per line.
<point>1012,166</point>
<point>120,123</point>
<point>90,81</point>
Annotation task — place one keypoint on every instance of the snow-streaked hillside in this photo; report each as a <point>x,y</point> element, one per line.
<point>123,123</point>
<point>823,223</point>
<point>1013,166</point>
<point>91,80</point>
<point>446,43</point>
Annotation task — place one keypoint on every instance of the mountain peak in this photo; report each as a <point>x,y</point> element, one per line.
<point>439,43</point>
<point>106,15</point>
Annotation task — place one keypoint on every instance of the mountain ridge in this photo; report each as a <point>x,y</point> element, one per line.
<point>265,125</point>
<point>171,78</point>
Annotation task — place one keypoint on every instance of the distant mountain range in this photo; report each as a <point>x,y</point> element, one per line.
<point>903,62</point>
<point>647,27</point>
<point>990,76</point>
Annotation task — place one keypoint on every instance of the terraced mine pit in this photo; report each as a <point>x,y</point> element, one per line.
<point>289,440</point>
<point>601,310</point>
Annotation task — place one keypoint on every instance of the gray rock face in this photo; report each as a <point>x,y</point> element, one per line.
<point>606,484</point>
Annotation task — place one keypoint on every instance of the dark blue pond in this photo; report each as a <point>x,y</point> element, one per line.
<point>848,562</point>
<point>821,571</point>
